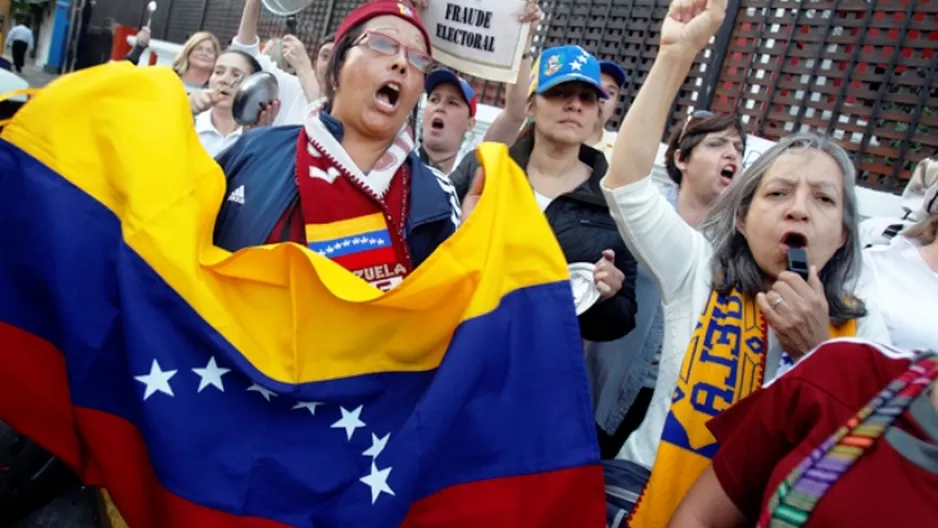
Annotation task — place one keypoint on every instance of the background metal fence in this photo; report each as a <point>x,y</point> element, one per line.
<point>863,71</point>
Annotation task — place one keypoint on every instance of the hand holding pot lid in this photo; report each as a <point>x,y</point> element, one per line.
<point>255,92</point>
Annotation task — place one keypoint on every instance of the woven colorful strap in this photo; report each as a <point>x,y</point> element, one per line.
<point>794,500</point>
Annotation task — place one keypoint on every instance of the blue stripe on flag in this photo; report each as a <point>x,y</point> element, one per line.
<point>339,247</point>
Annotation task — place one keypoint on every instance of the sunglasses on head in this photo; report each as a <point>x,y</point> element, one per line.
<point>386,45</point>
<point>695,115</point>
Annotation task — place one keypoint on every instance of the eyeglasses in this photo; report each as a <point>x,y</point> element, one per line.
<point>697,114</point>
<point>386,45</point>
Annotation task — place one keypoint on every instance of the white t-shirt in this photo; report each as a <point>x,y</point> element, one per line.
<point>542,201</point>
<point>213,140</point>
<point>905,290</point>
<point>20,33</point>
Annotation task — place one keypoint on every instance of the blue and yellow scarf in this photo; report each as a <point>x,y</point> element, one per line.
<point>724,363</point>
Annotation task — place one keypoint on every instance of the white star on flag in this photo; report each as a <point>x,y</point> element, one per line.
<point>264,392</point>
<point>350,421</point>
<point>211,375</point>
<point>377,445</point>
<point>378,482</point>
<point>309,406</point>
<point>156,381</point>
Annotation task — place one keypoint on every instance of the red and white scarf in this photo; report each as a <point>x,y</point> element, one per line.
<point>357,220</point>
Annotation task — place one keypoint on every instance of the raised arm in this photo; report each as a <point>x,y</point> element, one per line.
<point>671,250</point>
<point>684,33</point>
<point>247,29</point>
<point>508,123</point>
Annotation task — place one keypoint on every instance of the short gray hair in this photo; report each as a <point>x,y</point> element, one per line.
<point>733,263</point>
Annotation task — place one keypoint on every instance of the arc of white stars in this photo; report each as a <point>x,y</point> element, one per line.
<point>309,406</point>
<point>264,392</point>
<point>377,445</point>
<point>156,381</point>
<point>211,375</point>
<point>377,480</point>
<point>349,421</point>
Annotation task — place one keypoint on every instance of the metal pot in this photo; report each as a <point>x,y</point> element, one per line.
<point>254,92</point>
<point>286,7</point>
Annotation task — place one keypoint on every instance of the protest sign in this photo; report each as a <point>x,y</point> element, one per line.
<point>478,37</point>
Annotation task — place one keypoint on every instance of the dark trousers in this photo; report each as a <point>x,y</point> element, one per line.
<point>19,54</point>
<point>609,445</point>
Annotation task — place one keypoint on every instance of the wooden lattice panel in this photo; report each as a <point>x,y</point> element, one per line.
<point>864,72</point>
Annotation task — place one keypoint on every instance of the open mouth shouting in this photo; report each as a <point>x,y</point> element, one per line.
<point>388,96</point>
<point>436,124</point>
<point>793,240</point>
<point>727,174</point>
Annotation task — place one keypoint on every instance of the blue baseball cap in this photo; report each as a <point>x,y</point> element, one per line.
<point>445,76</point>
<point>613,70</point>
<point>565,64</point>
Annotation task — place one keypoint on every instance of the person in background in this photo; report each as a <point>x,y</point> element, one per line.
<point>450,110</point>
<point>195,63</point>
<point>848,438</point>
<point>323,56</point>
<point>901,278</point>
<point>564,174</point>
<point>19,42</point>
<point>212,107</point>
<point>879,230</point>
<point>735,316</point>
<point>357,160</point>
<point>613,79</point>
<point>700,154</point>
<point>296,91</point>
<point>448,116</point>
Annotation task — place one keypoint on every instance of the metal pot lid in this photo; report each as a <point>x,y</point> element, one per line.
<point>286,7</point>
<point>253,93</point>
<point>585,293</point>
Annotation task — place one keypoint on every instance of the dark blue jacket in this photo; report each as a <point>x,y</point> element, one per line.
<point>263,162</point>
<point>581,222</point>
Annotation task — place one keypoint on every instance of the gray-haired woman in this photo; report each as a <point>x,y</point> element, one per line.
<point>735,317</point>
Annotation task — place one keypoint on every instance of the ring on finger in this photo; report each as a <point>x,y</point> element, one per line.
<point>777,300</point>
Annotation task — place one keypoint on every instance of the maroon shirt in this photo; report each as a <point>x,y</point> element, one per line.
<point>763,438</point>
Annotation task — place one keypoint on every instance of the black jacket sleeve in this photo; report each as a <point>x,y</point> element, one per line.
<point>613,318</point>
<point>134,55</point>
<point>463,175</point>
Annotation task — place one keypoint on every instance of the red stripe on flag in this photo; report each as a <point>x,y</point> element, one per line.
<point>542,499</point>
<point>34,400</point>
<point>366,259</point>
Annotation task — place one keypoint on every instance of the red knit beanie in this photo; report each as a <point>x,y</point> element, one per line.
<point>377,8</point>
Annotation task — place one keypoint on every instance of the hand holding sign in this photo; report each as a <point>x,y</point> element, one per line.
<point>532,13</point>
<point>484,38</point>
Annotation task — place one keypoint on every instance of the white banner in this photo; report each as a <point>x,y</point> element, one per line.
<point>478,37</point>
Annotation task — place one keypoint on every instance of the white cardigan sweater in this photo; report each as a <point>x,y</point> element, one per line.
<point>679,257</point>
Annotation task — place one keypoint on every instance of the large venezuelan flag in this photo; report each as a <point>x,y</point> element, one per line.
<point>271,387</point>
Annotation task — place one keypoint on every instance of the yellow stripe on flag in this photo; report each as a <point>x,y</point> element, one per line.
<point>144,162</point>
<point>345,228</point>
